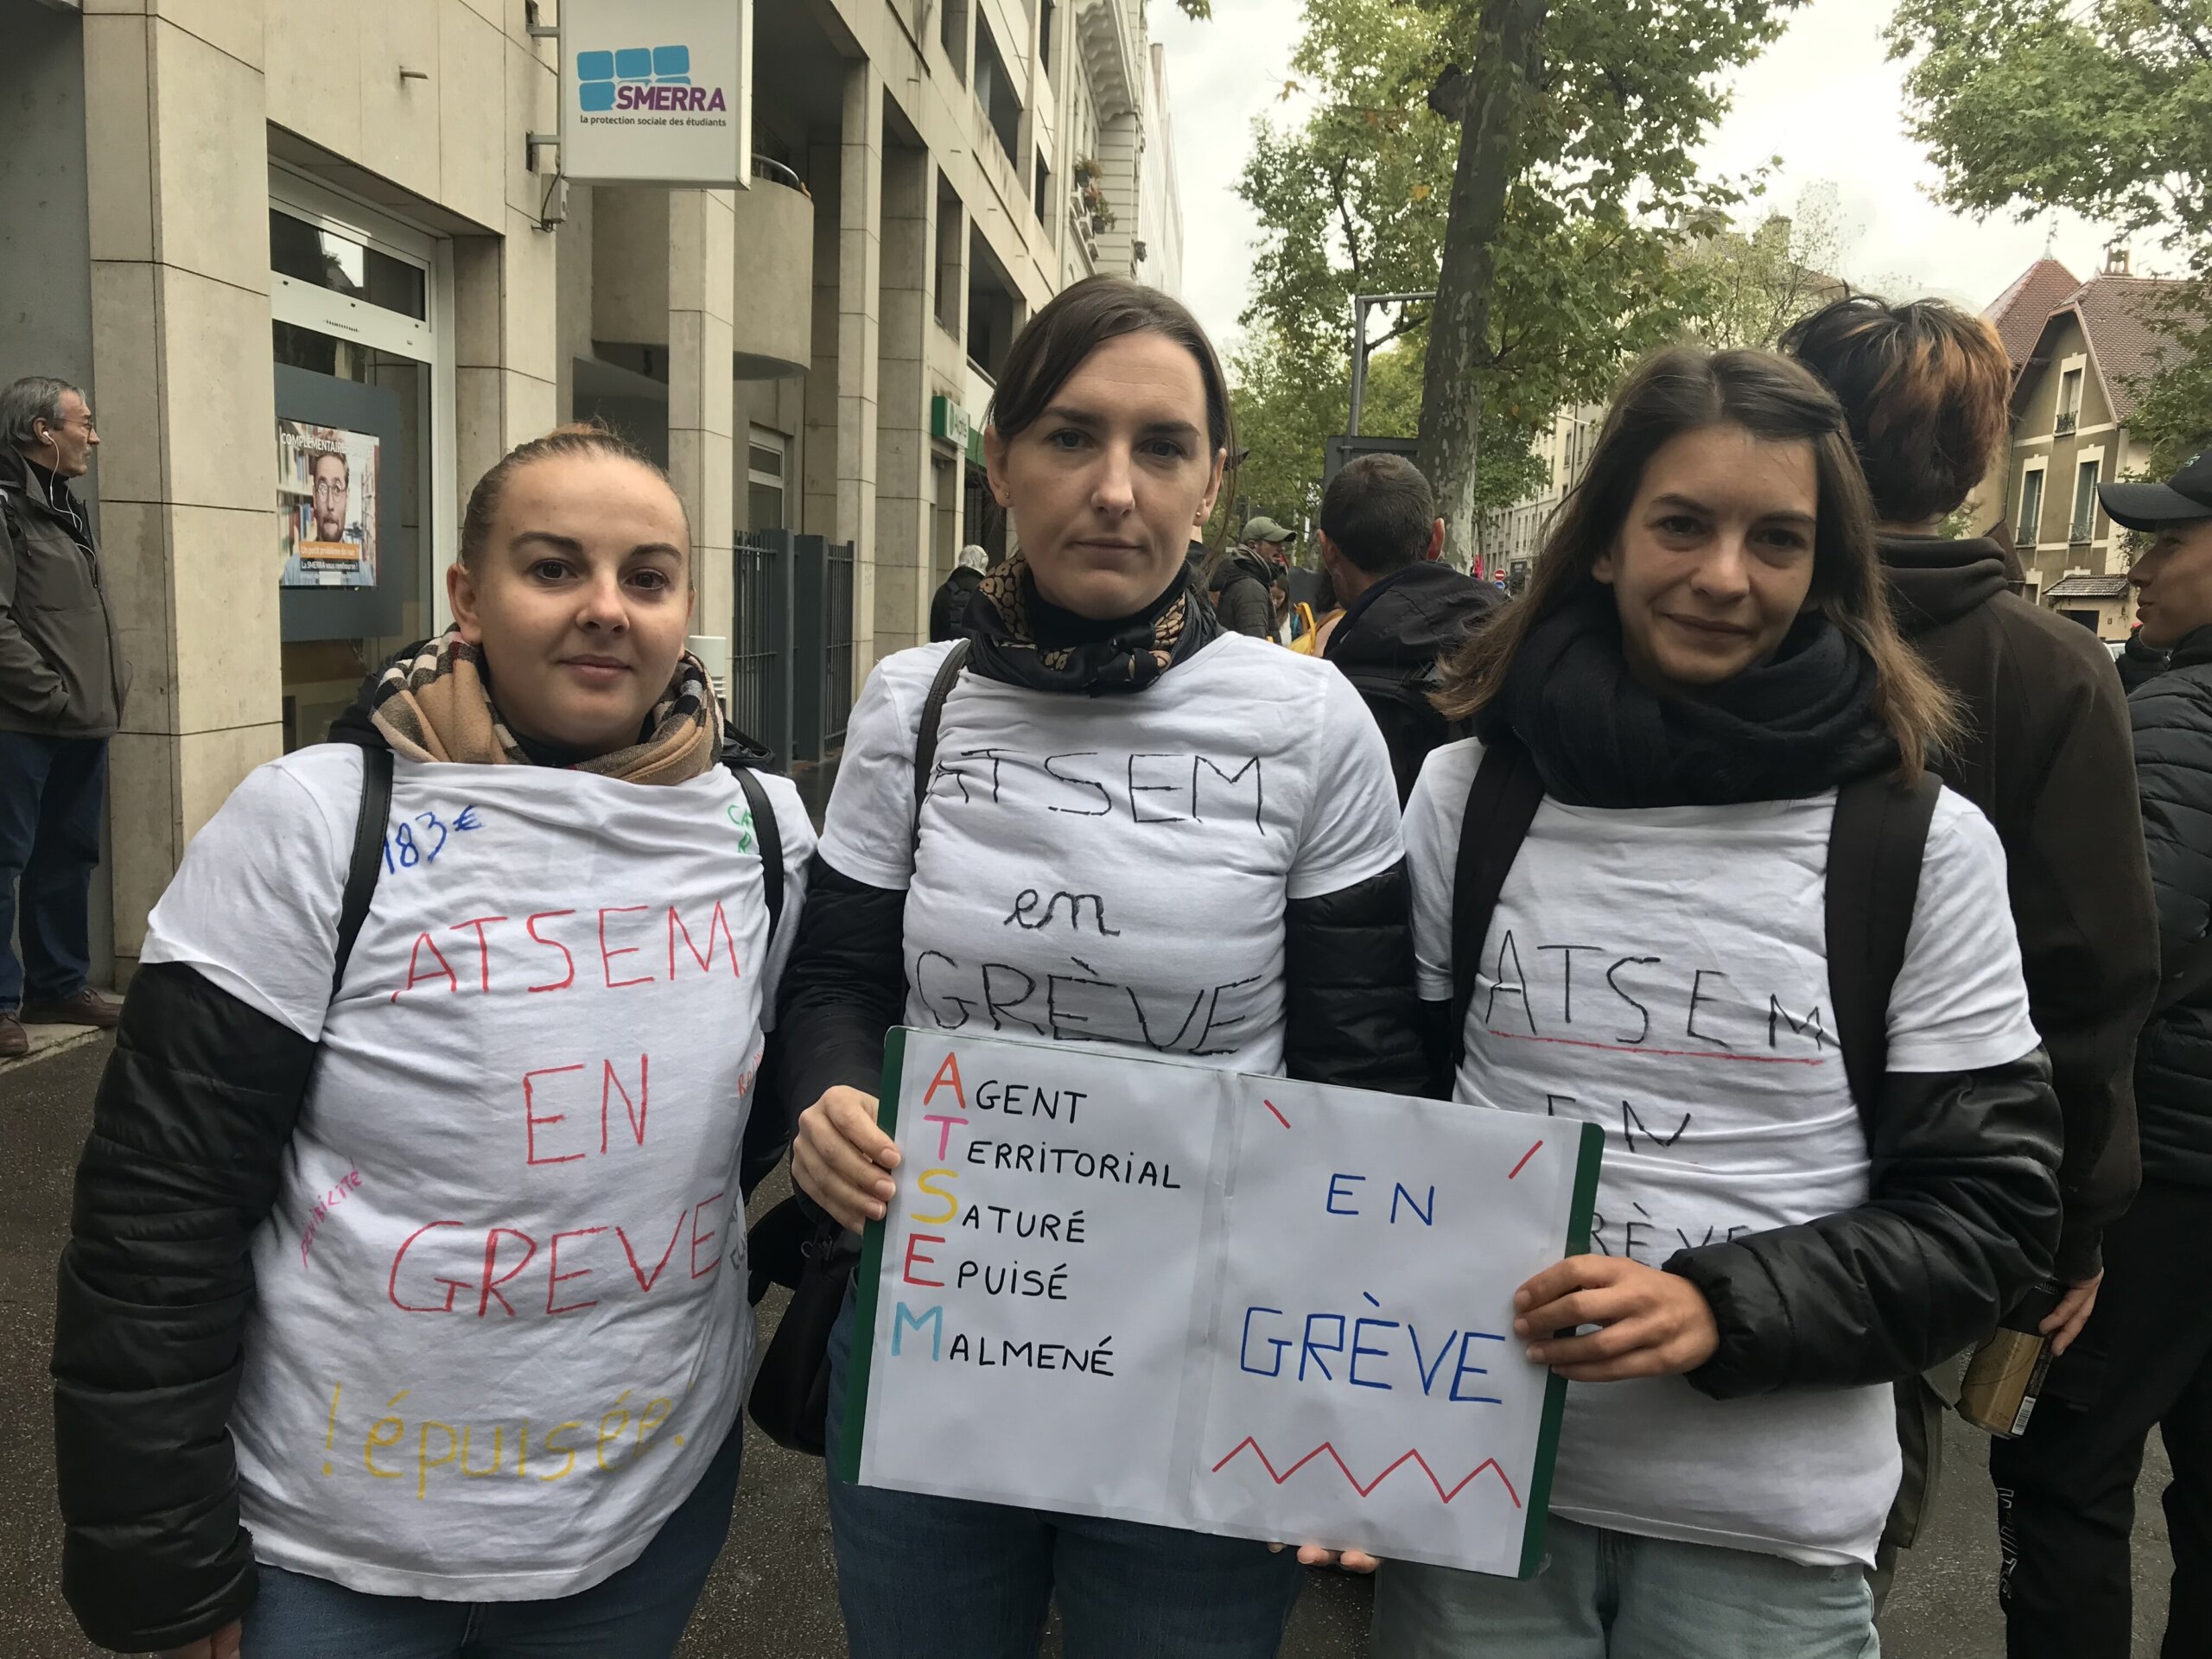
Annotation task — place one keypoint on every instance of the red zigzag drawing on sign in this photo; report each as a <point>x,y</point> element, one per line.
<point>1279,1477</point>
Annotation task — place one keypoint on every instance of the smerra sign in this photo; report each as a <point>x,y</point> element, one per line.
<point>657,92</point>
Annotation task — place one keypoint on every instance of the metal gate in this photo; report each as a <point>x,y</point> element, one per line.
<point>791,669</point>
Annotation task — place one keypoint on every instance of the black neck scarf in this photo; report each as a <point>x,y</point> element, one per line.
<point>1018,636</point>
<point>1795,725</point>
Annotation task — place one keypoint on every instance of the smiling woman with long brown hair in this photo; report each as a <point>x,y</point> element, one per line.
<point>1816,1179</point>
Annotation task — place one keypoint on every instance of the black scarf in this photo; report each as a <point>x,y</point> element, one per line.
<point>1800,723</point>
<point>1017,637</point>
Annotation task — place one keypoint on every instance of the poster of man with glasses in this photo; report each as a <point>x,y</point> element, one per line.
<point>326,492</point>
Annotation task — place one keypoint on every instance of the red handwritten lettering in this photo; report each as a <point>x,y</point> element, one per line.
<point>569,961</point>
<point>483,951</point>
<point>698,1211</point>
<point>422,941</point>
<point>645,1283</point>
<point>554,1275</point>
<point>531,1120</point>
<point>716,923</point>
<point>392,1285</point>
<point>947,1076</point>
<point>609,1085</point>
<point>492,1260</point>
<point>915,1256</point>
<point>606,957</point>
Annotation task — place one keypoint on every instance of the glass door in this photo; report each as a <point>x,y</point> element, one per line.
<point>361,340</point>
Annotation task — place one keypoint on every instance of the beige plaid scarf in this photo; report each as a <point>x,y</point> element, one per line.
<point>434,703</point>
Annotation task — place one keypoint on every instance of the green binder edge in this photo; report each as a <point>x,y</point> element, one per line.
<point>869,1275</point>
<point>1588,1154</point>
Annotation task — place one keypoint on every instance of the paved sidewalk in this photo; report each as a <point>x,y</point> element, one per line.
<point>774,1592</point>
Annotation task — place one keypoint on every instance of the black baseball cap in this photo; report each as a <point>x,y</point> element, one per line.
<point>2185,497</point>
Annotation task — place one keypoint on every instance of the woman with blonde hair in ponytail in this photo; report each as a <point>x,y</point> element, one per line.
<point>404,1313</point>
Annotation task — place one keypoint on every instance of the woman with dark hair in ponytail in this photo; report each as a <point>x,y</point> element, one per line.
<point>1713,903</point>
<point>1222,816</point>
<point>403,1313</point>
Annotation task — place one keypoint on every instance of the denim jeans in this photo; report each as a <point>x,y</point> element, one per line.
<point>922,1577</point>
<point>1612,1595</point>
<point>52,789</point>
<point>640,1613</point>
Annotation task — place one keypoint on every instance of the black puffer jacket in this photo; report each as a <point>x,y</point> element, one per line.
<point>1961,1219</point>
<point>2172,718</point>
<point>1388,642</point>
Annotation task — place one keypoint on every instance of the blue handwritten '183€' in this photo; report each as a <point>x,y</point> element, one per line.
<point>404,849</point>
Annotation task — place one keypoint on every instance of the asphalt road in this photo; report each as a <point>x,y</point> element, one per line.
<point>774,1592</point>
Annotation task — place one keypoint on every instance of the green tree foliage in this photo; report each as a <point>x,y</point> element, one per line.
<point>2101,106</point>
<point>1584,266</point>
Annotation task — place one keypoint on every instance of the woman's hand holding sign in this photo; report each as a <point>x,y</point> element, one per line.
<point>1653,1323</point>
<point>841,1160</point>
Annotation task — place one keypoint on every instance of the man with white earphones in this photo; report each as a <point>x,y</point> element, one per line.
<point>62,683</point>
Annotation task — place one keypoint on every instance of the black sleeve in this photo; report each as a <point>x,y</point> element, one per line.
<point>2173,728</point>
<point>1961,1217</point>
<point>1352,1012</point>
<point>844,987</point>
<point>189,1128</point>
<point>2081,896</point>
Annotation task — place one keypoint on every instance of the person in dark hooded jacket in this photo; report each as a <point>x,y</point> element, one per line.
<point>1382,544</point>
<point>2044,754</point>
<point>2067,1487</point>
<point>1242,581</point>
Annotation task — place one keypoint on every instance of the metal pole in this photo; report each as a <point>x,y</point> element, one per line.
<point>1360,302</point>
<point>1359,360</point>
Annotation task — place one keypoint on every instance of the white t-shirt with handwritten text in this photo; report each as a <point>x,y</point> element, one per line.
<point>500,1325</point>
<point>1662,973</point>
<point>1114,870</point>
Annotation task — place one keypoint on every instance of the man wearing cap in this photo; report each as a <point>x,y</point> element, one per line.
<point>2066,1488</point>
<point>1244,580</point>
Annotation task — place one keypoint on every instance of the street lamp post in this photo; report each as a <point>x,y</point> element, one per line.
<point>1360,305</point>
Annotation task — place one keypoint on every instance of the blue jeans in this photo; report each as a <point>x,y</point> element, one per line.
<point>922,1577</point>
<point>640,1613</point>
<point>52,789</point>
<point>1612,1595</point>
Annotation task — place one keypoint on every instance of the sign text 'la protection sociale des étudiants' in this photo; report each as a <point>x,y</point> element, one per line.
<point>657,92</point>
<point>1240,1304</point>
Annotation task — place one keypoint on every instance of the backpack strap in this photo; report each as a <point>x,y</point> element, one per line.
<point>948,675</point>
<point>1502,804</point>
<point>1875,844</point>
<point>367,860</point>
<point>769,836</point>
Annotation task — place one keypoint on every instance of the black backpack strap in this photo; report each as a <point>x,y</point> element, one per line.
<point>367,863</point>
<point>948,675</point>
<point>1502,804</point>
<point>1875,844</point>
<point>770,837</point>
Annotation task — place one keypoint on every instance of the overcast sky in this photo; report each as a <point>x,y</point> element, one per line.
<point>1824,97</point>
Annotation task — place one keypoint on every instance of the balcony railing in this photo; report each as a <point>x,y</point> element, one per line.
<point>2081,533</point>
<point>2068,419</point>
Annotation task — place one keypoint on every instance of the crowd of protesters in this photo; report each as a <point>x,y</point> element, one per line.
<point>1749,690</point>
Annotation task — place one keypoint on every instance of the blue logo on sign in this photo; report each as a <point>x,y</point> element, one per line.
<point>600,75</point>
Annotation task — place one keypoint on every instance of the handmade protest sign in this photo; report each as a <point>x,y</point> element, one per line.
<point>1134,1287</point>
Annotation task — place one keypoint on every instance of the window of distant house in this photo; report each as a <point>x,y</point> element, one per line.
<point>2069,400</point>
<point>2030,509</point>
<point>994,90</point>
<point>2085,502</point>
<point>1044,191</point>
<point>1045,37</point>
